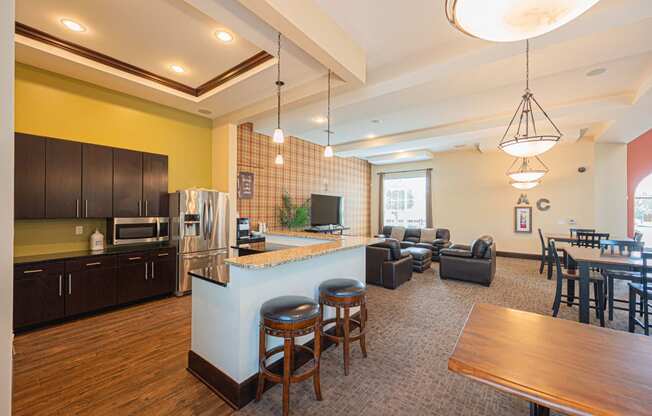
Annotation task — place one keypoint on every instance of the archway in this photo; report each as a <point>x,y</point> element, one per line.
<point>643,209</point>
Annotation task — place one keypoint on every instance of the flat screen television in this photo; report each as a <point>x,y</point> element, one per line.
<point>325,210</point>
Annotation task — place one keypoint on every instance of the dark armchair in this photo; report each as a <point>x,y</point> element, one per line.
<point>386,265</point>
<point>475,263</point>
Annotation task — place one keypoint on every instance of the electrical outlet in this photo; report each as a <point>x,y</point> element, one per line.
<point>79,230</point>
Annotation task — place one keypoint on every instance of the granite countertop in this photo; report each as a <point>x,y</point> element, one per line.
<point>109,250</point>
<point>277,258</point>
<point>305,234</point>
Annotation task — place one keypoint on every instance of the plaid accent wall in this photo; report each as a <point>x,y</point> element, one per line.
<point>305,171</point>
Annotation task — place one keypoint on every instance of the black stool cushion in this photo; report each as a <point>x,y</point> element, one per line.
<point>287,309</point>
<point>343,288</point>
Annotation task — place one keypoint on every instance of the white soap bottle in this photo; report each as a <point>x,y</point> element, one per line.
<point>97,241</point>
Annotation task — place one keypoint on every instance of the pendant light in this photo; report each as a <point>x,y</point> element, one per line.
<point>527,169</point>
<point>278,136</point>
<point>328,150</point>
<point>512,20</point>
<point>279,159</point>
<point>524,185</point>
<point>525,141</point>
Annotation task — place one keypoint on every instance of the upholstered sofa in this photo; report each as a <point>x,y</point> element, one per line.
<point>387,265</point>
<point>475,263</point>
<point>434,239</point>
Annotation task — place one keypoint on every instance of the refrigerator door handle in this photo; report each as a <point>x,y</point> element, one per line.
<point>210,219</point>
<point>204,220</point>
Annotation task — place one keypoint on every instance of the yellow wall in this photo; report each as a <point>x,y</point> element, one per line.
<point>53,105</point>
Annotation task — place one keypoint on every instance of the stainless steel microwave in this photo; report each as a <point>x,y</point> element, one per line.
<point>137,230</point>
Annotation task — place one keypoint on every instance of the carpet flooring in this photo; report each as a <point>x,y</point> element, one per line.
<point>412,332</point>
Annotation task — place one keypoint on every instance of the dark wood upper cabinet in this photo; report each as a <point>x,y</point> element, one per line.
<point>155,185</point>
<point>127,183</point>
<point>29,177</point>
<point>97,181</point>
<point>56,178</point>
<point>63,168</point>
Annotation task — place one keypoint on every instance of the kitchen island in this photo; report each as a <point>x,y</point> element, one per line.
<point>225,317</point>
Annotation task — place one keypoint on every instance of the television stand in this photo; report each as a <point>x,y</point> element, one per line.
<point>327,229</point>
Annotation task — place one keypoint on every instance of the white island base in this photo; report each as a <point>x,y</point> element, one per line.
<point>225,320</point>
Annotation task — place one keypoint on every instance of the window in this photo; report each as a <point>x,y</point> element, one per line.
<point>405,199</point>
<point>643,209</point>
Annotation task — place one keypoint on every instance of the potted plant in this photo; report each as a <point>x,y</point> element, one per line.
<point>293,216</point>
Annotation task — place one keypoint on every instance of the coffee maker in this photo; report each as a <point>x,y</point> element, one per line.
<point>244,230</point>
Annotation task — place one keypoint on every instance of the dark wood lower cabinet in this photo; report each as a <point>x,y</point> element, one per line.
<point>38,293</point>
<point>45,292</point>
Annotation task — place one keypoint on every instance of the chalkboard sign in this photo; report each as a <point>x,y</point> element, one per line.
<point>245,185</point>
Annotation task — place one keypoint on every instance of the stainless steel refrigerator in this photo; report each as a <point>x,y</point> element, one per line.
<point>199,227</point>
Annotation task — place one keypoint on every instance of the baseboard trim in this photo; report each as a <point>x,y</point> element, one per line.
<point>514,255</point>
<point>238,395</point>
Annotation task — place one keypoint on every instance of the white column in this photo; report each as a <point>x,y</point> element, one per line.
<point>6,199</point>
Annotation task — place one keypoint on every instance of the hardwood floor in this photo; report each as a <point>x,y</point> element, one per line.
<point>127,362</point>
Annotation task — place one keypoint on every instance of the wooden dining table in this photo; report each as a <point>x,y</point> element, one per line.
<point>555,363</point>
<point>586,258</point>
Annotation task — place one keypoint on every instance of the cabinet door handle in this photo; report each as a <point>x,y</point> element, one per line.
<point>145,207</point>
<point>77,208</point>
<point>60,285</point>
<point>96,263</point>
<point>152,270</point>
<point>33,271</point>
<point>163,254</point>
<point>86,208</point>
<point>134,258</point>
<point>70,283</point>
<point>140,206</point>
<point>146,271</point>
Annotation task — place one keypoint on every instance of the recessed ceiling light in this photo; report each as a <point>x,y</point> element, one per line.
<point>375,121</point>
<point>72,25</point>
<point>178,69</point>
<point>224,36</point>
<point>320,119</point>
<point>204,111</point>
<point>371,136</point>
<point>595,72</point>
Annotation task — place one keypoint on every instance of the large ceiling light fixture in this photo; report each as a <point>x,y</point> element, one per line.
<point>328,150</point>
<point>527,169</point>
<point>522,137</point>
<point>512,20</point>
<point>524,186</point>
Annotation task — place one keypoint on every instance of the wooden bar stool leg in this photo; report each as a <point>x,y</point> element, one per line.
<point>317,357</point>
<point>346,340</point>
<point>262,348</point>
<point>363,324</point>
<point>288,345</point>
<point>337,324</point>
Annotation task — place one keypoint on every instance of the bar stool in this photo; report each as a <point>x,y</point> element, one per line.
<point>343,294</point>
<point>288,317</point>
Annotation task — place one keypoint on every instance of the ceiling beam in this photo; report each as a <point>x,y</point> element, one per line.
<point>312,30</point>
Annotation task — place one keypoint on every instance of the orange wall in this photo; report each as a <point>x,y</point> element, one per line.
<point>639,165</point>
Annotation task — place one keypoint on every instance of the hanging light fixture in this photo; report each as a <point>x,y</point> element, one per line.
<point>328,150</point>
<point>524,185</point>
<point>278,136</point>
<point>512,20</point>
<point>279,159</point>
<point>527,169</point>
<point>525,141</point>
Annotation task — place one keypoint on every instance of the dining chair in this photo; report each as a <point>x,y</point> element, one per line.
<point>574,231</point>
<point>544,255</point>
<point>570,278</point>
<point>590,238</point>
<point>643,291</point>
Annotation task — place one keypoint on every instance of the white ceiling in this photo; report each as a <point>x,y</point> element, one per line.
<point>430,86</point>
<point>434,88</point>
<point>152,38</point>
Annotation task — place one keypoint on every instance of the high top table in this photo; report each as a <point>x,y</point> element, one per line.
<point>586,258</point>
<point>556,364</point>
